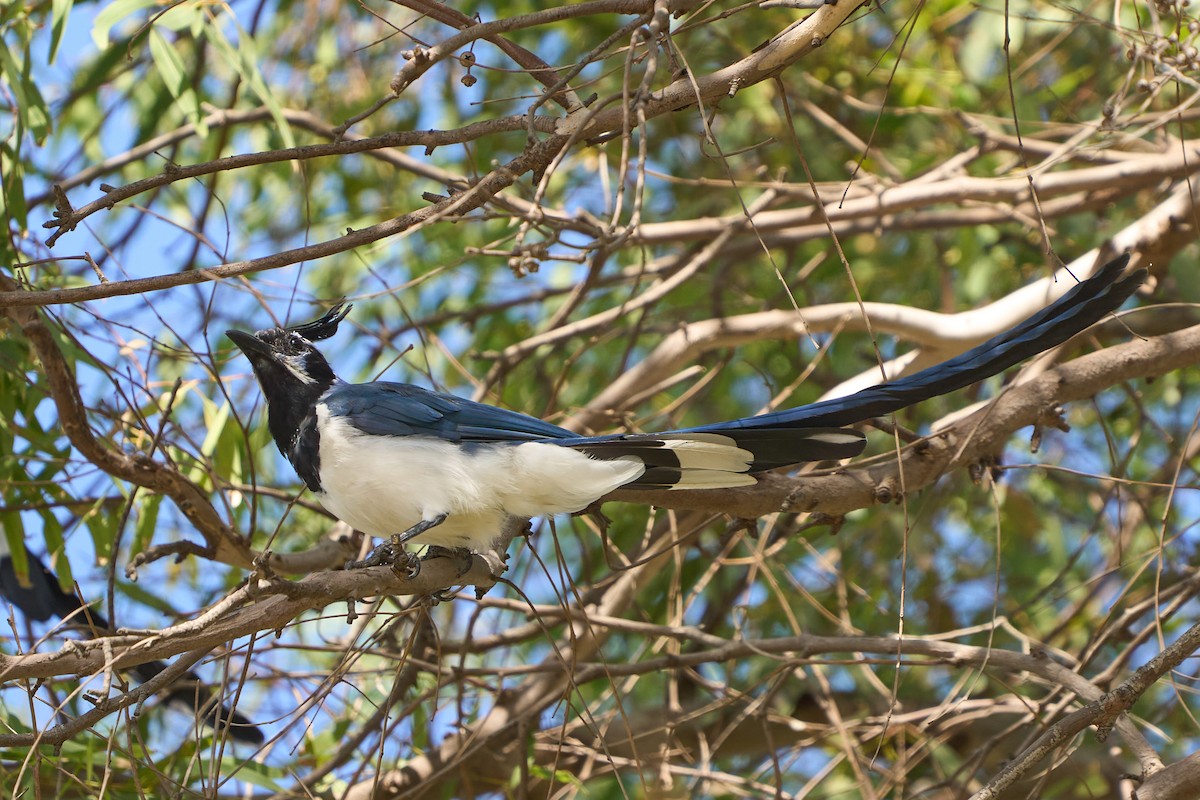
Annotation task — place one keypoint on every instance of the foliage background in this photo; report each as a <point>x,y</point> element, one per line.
<point>233,165</point>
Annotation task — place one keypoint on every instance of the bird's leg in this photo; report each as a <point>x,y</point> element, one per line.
<point>418,529</point>
<point>595,512</point>
<point>392,553</point>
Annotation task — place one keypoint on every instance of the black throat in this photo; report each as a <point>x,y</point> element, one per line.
<point>292,416</point>
<point>293,423</point>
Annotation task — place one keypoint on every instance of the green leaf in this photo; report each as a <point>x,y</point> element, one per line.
<point>31,108</point>
<point>13,172</point>
<point>253,773</point>
<point>244,60</point>
<point>101,524</point>
<point>215,417</point>
<point>60,12</point>
<point>147,520</point>
<point>176,78</point>
<point>14,536</point>
<point>53,533</point>
<point>113,13</point>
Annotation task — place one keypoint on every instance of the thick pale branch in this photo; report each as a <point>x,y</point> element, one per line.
<point>1156,236</point>
<point>947,334</point>
<point>1175,782</point>
<point>271,613</point>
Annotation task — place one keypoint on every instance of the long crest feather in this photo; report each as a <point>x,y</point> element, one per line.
<point>324,327</point>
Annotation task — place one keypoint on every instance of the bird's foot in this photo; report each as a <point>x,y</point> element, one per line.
<point>442,596</point>
<point>384,555</point>
<point>390,553</point>
<point>406,564</point>
<point>463,557</point>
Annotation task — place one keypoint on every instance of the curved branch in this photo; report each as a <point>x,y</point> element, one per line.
<point>767,60</point>
<point>139,469</point>
<point>1158,234</point>
<point>174,172</point>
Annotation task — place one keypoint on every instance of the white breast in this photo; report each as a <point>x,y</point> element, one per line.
<point>383,485</point>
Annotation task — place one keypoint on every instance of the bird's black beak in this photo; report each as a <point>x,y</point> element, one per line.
<point>251,345</point>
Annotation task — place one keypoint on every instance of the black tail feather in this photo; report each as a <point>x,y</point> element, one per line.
<point>814,432</point>
<point>44,599</point>
<point>1086,303</point>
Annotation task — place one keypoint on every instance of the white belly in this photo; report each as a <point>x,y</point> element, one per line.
<point>383,485</point>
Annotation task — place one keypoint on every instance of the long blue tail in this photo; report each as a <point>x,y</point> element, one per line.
<point>1086,303</point>
<point>724,453</point>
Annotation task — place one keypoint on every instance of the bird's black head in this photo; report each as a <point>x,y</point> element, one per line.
<point>284,359</point>
<point>292,373</point>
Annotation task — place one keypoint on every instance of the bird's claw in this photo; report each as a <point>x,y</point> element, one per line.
<point>390,554</point>
<point>443,595</point>
<point>462,556</point>
<point>383,555</point>
<point>406,564</point>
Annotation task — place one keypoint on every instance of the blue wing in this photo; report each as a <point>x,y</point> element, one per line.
<point>400,409</point>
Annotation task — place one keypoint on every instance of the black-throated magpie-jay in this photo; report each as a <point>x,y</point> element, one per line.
<point>395,460</point>
<point>40,598</point>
